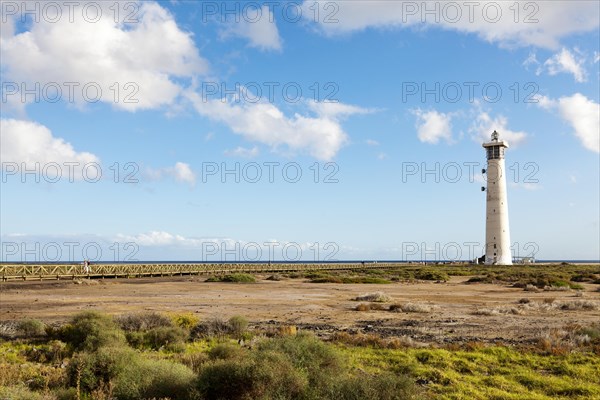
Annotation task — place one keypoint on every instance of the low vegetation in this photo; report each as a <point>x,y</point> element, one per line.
<point>156,356</point>
<point>378,297</point>
<point>236,278</point>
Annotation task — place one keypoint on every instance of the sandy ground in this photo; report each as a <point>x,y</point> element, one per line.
<point>323,308</point>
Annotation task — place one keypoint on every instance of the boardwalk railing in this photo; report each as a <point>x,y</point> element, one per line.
<point>73,271</point>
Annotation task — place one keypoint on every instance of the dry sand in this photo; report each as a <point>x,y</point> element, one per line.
<point>323,308</point>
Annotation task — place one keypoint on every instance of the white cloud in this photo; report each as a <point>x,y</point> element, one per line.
<point>584,116</point>
<point>258,26</point>
<point>484,124</point>
<point>566,62</point>
<point>540,24</point>
<point>321,136</point>
<point>581,113</point>
<point>329,109</point>
<point>162,239</point>
<point>181,172</point>
<point>371,142</point>
<point>532,60</point>
<point>33,144</point>
<point>149,54</point>
<point>545,102</point>
<point>243,152</point>
<point>432,126</point>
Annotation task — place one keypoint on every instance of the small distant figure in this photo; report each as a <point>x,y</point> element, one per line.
<point>86,267</point>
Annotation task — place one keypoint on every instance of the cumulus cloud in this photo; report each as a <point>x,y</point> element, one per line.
<point>162,238</point>
<point>584,116</point>
<point>135,65</point>
<point>29,143</point>
<point>258,26</point>
<point>433,126</point>
<point>541,24</point>
<point>321,136</point>
<point>566,62</point>
<point>484,124</point>
<point>180,172</point>
<point>581,113</point>
<point>183,173</point>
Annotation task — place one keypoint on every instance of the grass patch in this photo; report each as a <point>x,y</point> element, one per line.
<point>235,278</point>
<point>318,278</point>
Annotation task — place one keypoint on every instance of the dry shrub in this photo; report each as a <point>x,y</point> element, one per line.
<point>580,305</point>
<point>417,308</point>
<point>487,311</point>
<point>212,327</point>
<point>531,288</point>
<point>143,321</point>
<point>369,307</point>
<point>377,297</point>
<point>556,288</point>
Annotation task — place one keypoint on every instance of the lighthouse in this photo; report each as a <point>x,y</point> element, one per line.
<point>497,234</point>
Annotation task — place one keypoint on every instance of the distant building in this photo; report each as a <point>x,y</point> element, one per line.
<point>497,234</point>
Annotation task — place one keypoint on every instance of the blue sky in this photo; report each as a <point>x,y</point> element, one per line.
<point>379,105</point>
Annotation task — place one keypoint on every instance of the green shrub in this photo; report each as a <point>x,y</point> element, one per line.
<point>165,380</point>
<point>576,286</point>
<point>261,377</point>
<point>325,279</point>
<point>168,337</point>
<point>66,394</point>
<point>31,328</point>
<point>238,326</point>
<point>385,386</point>
<point>135,339</point>
<point>91,330</point>
<point>104,367</point>
<point>128,375</point>
<point>225,351</point>
<point>164,336</point>
<point>366,280</point>
<point>308,354</point>
<point>431,275</point>
<point>236,278</point>
<point>21,392</point>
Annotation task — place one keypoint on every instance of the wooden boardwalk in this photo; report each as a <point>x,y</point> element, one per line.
<point>11,272</point>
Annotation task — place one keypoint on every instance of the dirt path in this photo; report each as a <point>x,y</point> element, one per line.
<point>324,307</point>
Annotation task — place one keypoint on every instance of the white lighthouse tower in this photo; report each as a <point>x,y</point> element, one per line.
<point>497,234</point>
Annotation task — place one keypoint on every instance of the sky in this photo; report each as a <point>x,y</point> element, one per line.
<point>302,130</point>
